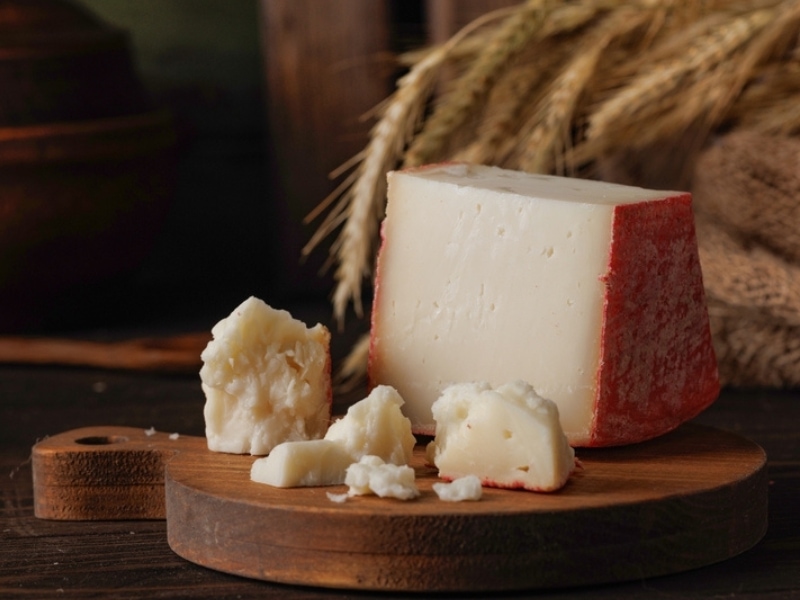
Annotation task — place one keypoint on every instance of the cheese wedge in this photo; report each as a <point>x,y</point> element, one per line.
<point>266,378</point>
<point>508,437</point>
<point>590,291</point>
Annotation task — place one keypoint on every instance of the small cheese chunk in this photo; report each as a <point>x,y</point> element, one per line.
<point>372,426</point>
<point>377,426</point>
<point>509,437</point>
<point>302,463</point>
<point>590,291</point>
<point>266,378</point>
<point>371,475</point>
<point>459,490</point>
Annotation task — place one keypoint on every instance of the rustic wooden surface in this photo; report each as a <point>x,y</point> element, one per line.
<point>132,558</point>
<point>691,498</point>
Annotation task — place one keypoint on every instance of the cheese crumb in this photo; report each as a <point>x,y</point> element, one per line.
<point>338,498</point>
<point>149,432</point>
<point>458,490</point>
<point>509,437</point>
<point>266,378</point>
<point>371,475</point>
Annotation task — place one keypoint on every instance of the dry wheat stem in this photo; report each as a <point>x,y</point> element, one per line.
<point>544,137</point>
<point>502,113</point>
<point>691,65</point>
<point>512,93</point>
<point>388,139</point>
<point>471,89</point>
<point>360,206</point>
<point>354,367</point>
<point>637,101</point>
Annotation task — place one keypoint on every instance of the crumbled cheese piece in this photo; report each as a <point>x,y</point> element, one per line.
<point>338,498</point>
<point>149,432</point>
<point>174,436</point>
<point>464,488</point>
<point>371,475</point>
<point>266,378</point>
<point>509,437</point>
<point>376,426</point>
<point>372,426</point>
<point>302,463</point>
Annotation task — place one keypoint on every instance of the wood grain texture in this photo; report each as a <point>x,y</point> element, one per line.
<point>691,498</point>
<point>326,65</point>
<point>131,558</point>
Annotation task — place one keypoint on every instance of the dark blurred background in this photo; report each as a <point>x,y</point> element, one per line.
<point>263,99</point>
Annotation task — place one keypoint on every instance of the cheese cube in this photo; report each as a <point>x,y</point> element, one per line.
<point>302,463</point>
<point>371,475</point>
<point>266,379</point>
<point>508,437</point>
<point>590,291</point>
<point>377,426</point>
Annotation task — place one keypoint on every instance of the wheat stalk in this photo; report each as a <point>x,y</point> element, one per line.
<point>360,205</point>
<point>357,207</point>
<point>548,83</point>
<point>643,98</point>
<point>471,89</point>
<point>548,132</point>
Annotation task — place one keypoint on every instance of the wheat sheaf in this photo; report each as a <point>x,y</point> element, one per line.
<point>559,87</point>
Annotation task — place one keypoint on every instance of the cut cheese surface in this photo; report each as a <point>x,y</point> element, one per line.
<point>266,379</point>
<point>375,426</point>
<point>508,437</point>
<point>590,291</point>
<point>302,463</point>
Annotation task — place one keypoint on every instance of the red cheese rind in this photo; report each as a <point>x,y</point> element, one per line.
<point>657,363</point>
<point>372,356</point>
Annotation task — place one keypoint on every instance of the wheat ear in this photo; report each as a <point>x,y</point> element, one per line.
<point>469,92</point>
<point>361,204</point>
<point>545,136</point>
<point>644,97</point>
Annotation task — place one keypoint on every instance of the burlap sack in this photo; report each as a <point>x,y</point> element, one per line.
<point>746,189</point>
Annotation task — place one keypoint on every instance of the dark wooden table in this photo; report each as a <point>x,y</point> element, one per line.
<point>131,559</point>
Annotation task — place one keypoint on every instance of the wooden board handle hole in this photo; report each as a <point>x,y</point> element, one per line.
<point>101,440</point>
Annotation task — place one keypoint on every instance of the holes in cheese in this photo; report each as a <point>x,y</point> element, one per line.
<point>266,379</point>
<point>590,291</point>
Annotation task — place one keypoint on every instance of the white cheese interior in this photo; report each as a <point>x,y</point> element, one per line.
<point>302,463</point>
<point>375,425</point>
<point>493,274</point>
<point>467,488</point>
<point>371,475</point>
<point>266,379</point>
<point>506,436</point>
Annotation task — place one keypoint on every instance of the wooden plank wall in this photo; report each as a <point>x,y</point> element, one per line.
<point>327,63</point>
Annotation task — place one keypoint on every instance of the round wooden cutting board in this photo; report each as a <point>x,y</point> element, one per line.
<point>688,499</point>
